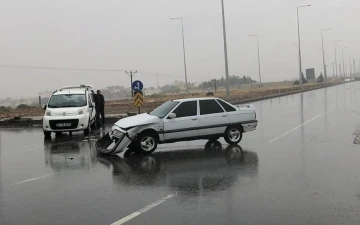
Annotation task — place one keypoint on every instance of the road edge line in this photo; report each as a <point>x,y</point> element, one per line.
<point>142,210</point>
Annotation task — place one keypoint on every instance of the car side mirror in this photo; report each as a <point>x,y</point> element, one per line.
<point>172,115</point>
<point>44,107</point>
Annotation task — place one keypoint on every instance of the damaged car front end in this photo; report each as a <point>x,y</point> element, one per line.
<point>114,142</point>
<point>126,131</point>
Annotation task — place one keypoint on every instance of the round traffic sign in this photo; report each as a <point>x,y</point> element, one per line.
<point>137,86</point>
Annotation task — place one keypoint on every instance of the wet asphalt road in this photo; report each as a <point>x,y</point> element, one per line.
<point>301,166</point>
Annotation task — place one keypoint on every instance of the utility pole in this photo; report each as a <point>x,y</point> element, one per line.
<point>350,67</point>
<point>157,81</point>
<point>333,64</point>
<point>183,43</point>
<point>131,74</point>
<point>344,71</point>
<point>323,53</point>
<point>225,52</point>
<point>300,65</point>
<point>258,51</point>
<point>215,84</point>
<point>335,57</point>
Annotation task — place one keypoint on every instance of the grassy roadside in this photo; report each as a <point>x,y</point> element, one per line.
<point>237,96</point>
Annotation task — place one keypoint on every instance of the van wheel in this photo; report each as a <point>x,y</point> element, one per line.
<point>87,131</point>
<point>146,143</point>
<point>93,125</point>
<point>233,135</point>
<point>47,134</point>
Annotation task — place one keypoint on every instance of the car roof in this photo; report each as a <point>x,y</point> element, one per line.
<point>194,99</point>
<point>70,91</point>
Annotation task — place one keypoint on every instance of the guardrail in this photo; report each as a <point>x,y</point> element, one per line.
<point>278,92</point>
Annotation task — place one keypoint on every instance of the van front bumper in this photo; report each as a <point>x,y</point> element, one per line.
<point>78,122</point>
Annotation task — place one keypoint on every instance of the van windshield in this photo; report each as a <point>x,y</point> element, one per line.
<point>67,100</point>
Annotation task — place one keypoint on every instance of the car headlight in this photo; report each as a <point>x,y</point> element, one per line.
<point>117,133</point>
<point>48,113</point>
<point>81,112</point>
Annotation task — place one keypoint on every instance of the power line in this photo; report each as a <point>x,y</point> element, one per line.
<point>59,68</point>
<point>14,66</point>
<point>77,69</point>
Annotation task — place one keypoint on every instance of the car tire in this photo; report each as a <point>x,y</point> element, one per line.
<point>146,143</point>
<point>47,134</point>
<point>233,135</point>
<point>93,125</point>
<point>87,131</point>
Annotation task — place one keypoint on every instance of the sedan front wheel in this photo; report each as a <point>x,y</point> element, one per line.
<point>146,143</point>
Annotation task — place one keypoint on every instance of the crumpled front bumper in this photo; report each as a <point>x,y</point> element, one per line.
<point>110,144</point>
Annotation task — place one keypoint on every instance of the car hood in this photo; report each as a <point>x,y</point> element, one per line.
<point>138,120</point>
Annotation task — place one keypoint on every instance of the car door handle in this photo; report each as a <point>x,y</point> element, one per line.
<point>224,115</point>
<point>194,119</point>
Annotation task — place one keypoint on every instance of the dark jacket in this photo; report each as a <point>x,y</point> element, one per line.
<point>101,101</point>
<point>95,99</point>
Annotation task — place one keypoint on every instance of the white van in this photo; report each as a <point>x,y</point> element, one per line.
<point>70,109</point>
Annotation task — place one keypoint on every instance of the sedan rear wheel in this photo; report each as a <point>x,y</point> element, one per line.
<point>233,135</point>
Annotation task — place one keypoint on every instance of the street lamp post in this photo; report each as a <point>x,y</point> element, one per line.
<point>351,65</point>
<point>300,69</point>
<point>183,43</point>
<point>258,51</point>
<point>336,55</point>
<point>344,71</point>
<point>323,53</point>
<point>225,52</point>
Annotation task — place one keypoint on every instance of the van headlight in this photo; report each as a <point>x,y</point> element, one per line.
<point>48,113</point>
<point>81,112</point>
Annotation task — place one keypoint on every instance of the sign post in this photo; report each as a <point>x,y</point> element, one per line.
<point>138,94</point>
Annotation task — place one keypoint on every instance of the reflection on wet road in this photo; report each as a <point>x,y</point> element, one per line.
<point>300,167</point>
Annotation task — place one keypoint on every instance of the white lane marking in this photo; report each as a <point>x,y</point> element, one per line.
<point>140,211</point>
<point>293,129</point>
<point>32,179</point>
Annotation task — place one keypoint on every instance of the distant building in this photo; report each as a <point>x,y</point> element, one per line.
<point>151,91</point>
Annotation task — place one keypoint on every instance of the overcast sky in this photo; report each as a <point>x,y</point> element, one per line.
<point>138,35</point>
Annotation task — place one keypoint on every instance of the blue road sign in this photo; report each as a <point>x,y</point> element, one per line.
<point>137,86</point>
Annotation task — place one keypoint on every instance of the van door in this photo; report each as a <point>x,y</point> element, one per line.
<point>92,111</point>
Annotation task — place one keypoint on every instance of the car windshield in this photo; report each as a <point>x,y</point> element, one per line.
<point>164,109</point>
<point>67,100</point>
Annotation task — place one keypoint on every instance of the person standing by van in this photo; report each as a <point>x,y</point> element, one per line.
<point>95,100</point>
<point>101,106</point>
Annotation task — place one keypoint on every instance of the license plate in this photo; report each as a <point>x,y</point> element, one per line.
<point>63,125</point>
